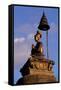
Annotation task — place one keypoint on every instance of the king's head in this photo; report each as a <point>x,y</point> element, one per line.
<point>38,36</point>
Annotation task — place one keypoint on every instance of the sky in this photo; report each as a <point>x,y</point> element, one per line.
<point>26,21</point>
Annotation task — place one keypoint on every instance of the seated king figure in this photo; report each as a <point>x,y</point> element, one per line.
<point>38,49</point>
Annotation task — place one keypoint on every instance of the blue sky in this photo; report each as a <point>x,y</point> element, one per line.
<point>26,21</point>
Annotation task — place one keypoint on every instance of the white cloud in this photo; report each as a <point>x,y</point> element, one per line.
<point>21,52</point>
<point>21,39</point>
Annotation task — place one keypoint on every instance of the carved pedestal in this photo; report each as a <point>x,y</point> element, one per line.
<point>37,71</point>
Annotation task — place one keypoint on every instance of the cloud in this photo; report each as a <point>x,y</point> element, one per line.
<point>21,39</point>
<point>22,51</point>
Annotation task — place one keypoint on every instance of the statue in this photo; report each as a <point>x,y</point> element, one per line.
<point>37,50</point>
<point>38,69</point>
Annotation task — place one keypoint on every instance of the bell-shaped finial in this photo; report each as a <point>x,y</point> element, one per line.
<point>43,23</point>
